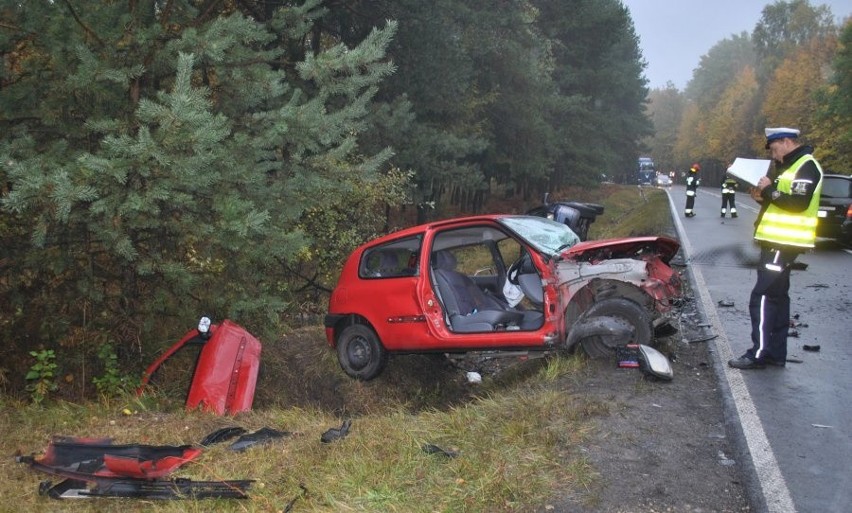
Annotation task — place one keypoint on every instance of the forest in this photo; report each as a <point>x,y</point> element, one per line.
<point>165,158</point>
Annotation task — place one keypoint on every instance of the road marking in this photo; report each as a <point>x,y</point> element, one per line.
<point>773,486</point>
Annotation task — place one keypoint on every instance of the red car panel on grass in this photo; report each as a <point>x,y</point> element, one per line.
<point>225,374</point>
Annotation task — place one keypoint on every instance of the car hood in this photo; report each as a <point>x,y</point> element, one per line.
<point>631,247</point>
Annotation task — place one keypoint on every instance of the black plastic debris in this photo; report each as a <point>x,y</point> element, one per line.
<point>793,333</point>
<point>434,449</point>
<point>221,435</point>
<point>157,489</point>
<point>303,492</point>
<point>726,303</point>
<point>261,436</point>
<point>336,433</point>
<point>811,348</point>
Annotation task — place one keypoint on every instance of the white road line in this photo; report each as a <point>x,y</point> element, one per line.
<point>772,483</point>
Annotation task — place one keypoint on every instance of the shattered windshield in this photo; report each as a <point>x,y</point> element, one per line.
<point>545,235</point>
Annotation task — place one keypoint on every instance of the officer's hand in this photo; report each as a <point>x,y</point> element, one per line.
<point>754,192</point>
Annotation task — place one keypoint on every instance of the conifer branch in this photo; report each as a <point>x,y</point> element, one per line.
<point>83,25</point>
<point>310,282</point>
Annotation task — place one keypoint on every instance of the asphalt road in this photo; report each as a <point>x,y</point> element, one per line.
<point>795,422</point>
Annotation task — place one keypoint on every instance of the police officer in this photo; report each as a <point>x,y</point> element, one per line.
<point>729,195</point>
<point>692,183</point>
<point>786,226</point>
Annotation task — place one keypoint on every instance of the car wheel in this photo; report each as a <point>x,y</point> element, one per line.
<point>623,309</point>
<point>360,352</point>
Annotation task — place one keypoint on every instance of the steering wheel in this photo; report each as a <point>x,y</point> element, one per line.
<point>517,268</point>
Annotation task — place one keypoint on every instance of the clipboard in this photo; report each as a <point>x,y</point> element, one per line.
<point>749,170</point>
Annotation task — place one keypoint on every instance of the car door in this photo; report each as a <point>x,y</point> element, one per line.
<point>477,251</point>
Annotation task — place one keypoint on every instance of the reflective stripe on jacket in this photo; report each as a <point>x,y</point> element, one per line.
<point>791,228</point>
<point>692,183</point>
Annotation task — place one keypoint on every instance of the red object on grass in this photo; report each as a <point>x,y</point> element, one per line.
<point>225,374</point>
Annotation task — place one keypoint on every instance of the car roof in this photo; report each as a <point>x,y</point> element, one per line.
<point>421,228</point>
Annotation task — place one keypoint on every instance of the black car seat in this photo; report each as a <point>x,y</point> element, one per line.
<point>467,307</point>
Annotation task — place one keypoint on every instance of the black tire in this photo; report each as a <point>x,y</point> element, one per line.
<point>625,309</point>
<point>360,352</point>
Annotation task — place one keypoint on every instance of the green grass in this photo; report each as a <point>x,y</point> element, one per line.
<point>518,437</point>
<point>632,212</point>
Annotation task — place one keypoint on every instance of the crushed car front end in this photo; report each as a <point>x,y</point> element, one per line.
<point>635,268</point>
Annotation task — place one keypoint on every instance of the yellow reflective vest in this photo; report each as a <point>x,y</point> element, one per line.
<point>791,228</point>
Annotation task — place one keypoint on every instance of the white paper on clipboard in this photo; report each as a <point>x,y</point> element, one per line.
<point>749,170</point>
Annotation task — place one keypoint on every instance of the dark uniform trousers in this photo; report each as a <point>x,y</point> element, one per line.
<point>691,186</point>
<point>769,305</point>
<point>729,198</point>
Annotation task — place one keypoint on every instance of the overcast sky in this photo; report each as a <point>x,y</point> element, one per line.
<point>674,34</point>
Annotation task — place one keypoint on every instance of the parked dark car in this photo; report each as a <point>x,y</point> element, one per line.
<point>835,209</point>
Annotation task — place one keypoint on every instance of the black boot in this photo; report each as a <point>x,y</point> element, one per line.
<point>744,363</point>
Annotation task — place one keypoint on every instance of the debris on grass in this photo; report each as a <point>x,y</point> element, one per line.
<point>336,433</point>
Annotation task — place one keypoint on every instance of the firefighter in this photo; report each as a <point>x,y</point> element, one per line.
<point>729,195</point>
<point>692,183</point>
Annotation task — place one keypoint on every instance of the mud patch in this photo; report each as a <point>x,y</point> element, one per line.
<point>301,371</point>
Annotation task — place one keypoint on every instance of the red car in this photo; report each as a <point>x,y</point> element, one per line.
<point>497,283</point>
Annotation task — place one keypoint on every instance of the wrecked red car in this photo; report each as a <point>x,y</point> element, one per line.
<point>498,283</point>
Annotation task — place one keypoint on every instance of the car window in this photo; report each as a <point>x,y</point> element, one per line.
<point>473,248</point>
<point>475,260</point>
<point>510,251</point>
<point>833,187</point>
<point>392,260</point>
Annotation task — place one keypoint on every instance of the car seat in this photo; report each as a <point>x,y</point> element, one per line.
<point>467,307</point>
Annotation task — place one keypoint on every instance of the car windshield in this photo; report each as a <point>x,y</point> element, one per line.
<point>545,235</point>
